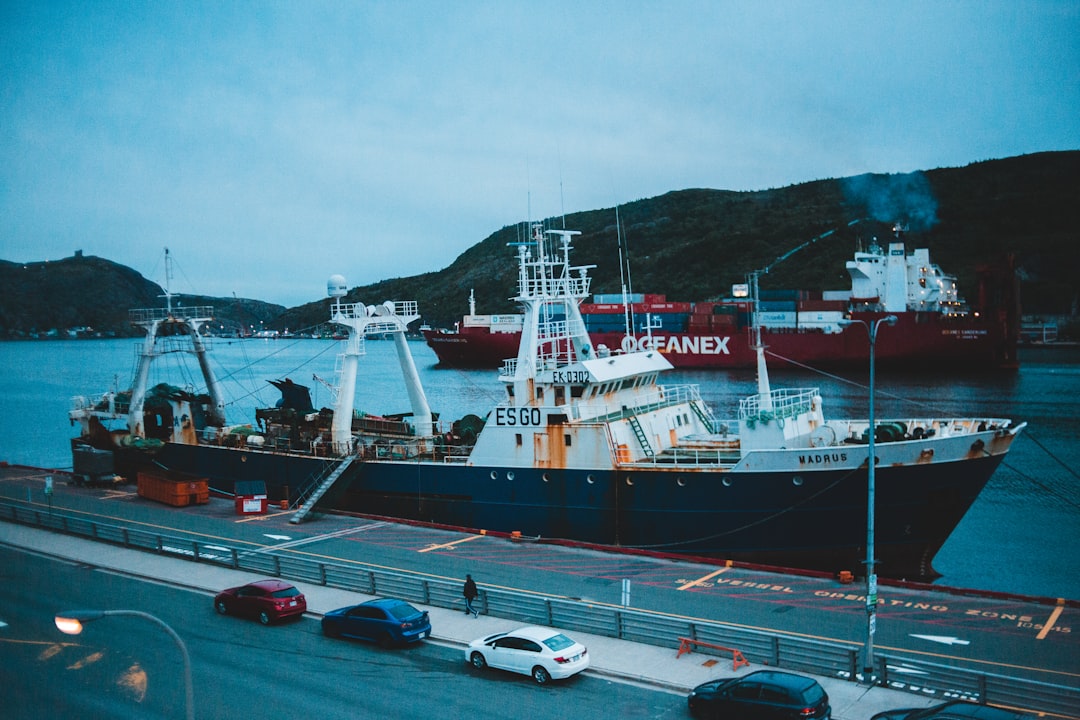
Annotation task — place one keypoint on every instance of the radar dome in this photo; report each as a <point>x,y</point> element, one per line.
<point>335,286</point>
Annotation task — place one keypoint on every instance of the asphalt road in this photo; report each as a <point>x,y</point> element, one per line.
<point>1005,635</point>
<point>125,667</point>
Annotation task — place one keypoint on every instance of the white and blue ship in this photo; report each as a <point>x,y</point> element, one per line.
<point>586,446</point>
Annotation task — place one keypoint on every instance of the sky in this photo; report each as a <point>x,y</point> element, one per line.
<point>270,145</point>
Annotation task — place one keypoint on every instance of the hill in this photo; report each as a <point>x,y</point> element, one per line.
<point>694,244</point>
<point>93,295</point>
<point>687,244</point>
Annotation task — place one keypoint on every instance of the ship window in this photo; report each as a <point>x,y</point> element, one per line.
<point>629,480</point>
<point>726,482</point>
<point>686,418</point>
<point>546,477</point>
<point>678,420</point>
<point>510,475</point>
<point>577,391</point>
<point>797,481</point>
<point>567,439</point>
<point>510,390</point>
<point>494,475</point>
<point>517,436</point>
<point>681,482</point>
<point>539,393</point>
<point>590,479</point>
<point>560,395</point>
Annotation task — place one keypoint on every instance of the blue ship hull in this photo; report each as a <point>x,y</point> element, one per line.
<point>753,517</point>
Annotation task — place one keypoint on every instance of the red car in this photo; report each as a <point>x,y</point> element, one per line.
<point>267,600</point>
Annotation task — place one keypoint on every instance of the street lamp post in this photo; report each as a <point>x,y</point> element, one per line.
<point>71,622</point>
<point>871,577</point>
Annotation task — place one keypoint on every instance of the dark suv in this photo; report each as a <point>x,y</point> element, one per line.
<point>763,694</point>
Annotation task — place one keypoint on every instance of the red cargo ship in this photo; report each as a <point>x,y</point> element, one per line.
<point>934,327</point>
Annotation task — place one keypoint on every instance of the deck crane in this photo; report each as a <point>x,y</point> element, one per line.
<point>764,390</point>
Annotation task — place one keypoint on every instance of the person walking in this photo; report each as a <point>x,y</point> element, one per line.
<point>470,592</point>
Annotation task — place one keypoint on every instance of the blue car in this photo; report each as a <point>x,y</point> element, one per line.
<point>386,621</point>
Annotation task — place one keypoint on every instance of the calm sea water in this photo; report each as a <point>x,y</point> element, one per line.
<point>1020,536</point>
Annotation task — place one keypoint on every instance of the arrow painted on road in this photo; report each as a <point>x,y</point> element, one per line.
<point>906,670</point>
<point>943,639</point>
<point>278,537</point>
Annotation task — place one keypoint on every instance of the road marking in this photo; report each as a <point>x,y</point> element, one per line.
<point>906,670</point>
<point>314,538</point>
<point>703,580</point>
<point>268,516</point>
<point>1049,624</point>
<point>443,546</point>
<point>279,537</point>
<point>943,639</point>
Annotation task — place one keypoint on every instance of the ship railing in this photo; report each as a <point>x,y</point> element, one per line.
<point>165,345</point>
<point>666,396</point>
<point>104,406</point>
<point>893,429</point>
<point>694,458</point>
<point>509,368</point>
<point>786,402</point>
<point>356,311</point>
<point>551,287</point>
<point>195,312</point>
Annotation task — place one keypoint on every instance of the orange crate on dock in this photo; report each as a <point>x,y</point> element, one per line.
<point>174,489</point>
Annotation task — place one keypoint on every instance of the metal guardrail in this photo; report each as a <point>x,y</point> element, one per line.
<point>825,659</point>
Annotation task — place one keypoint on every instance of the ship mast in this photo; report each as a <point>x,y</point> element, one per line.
<point>389,318</point>
<point>153,321</point>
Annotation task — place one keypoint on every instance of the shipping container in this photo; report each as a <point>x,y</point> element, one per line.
<point>778,305</point>
<point>791,295</point>
<point>825,317</point>
<point>823,305</point>
<point>172,488</point>
<point>778,319</point>
<point>617,298</point>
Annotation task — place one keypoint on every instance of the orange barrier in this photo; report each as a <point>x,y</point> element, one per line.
<point>686,645</point>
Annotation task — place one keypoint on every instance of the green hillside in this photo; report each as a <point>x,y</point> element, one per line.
<point>687,244</point>
<point>694,244</point>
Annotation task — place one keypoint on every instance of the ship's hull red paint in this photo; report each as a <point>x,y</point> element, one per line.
<point>919,340</point>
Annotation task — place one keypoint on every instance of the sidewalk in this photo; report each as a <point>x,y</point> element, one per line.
<point>618,660</point>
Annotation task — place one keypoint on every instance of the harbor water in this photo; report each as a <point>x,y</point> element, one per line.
<point>1021,535</point>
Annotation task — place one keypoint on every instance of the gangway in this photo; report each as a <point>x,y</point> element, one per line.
<point>309,501</point>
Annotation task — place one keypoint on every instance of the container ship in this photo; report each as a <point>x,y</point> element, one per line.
<point>935,326</point>
<point>585,446</point>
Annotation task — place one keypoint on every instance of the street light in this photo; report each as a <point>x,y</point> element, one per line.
<point>871,578</point>
<point>71,622</point>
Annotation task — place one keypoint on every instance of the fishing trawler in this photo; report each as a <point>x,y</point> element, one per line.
<point>586,446</point>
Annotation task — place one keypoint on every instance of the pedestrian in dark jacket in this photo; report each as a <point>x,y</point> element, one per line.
<point>470,592</point>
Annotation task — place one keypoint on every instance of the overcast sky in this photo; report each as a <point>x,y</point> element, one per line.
<point>269,145</point>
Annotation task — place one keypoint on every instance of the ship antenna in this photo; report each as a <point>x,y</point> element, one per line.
<point>562,202</point>
<point>168,278</point>
<point>624,272</point>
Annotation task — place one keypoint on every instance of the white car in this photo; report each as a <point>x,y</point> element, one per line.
<point>541,652</point>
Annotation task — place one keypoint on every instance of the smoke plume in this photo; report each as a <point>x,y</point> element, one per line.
<point>907,199</point>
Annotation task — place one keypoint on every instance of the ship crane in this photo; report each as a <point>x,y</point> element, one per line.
<point>764,391</point>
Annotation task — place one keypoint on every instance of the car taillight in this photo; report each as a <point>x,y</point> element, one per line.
<point>807,712</point>
<point>562,660</point>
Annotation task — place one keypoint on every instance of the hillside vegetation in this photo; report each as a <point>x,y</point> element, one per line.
<point>694,244</point>
<point>687,244</point>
